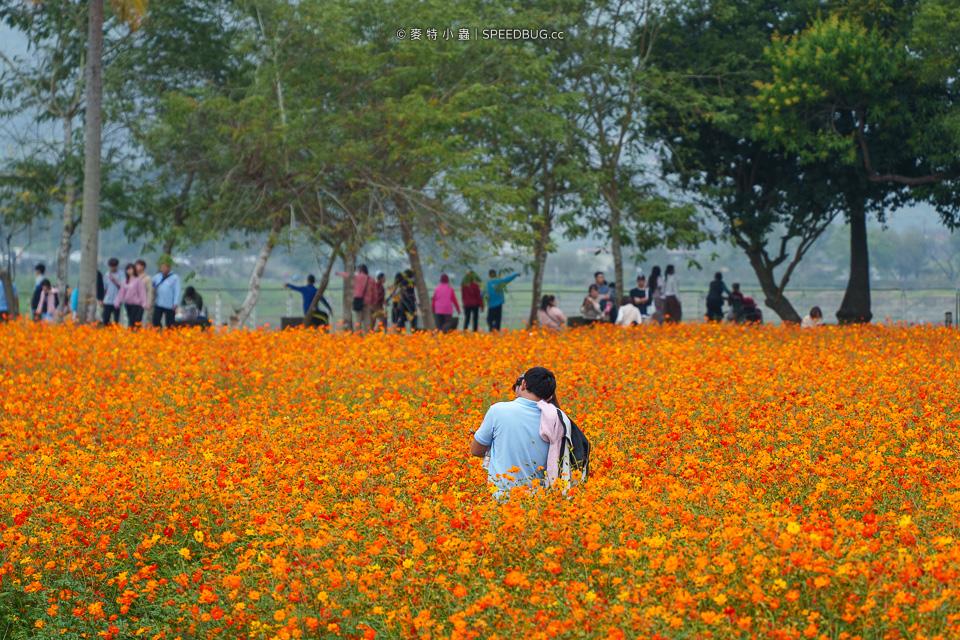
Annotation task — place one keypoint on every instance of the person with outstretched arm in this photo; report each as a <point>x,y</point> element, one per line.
<point>493,292</point>
<point>309,291</point>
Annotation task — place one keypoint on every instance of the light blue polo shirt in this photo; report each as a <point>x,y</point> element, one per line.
<point>513,431</point>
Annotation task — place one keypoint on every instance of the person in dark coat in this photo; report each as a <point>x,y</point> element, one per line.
<point>715,298</point>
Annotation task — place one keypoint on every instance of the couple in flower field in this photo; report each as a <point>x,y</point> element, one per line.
<point>530,441</point>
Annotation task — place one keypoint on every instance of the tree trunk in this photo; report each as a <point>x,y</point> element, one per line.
<point>423,294</point>
<point>615,248</point>
<point>324,281</point>
<point>349,266</point>
<point>90,228</point>
<point>774,299</point>
<point>540,249</point>
<point>12,305</point>
<point>179,214</point>
<point>855,307</point>
<point>69,224</point>
<point>253,291</point>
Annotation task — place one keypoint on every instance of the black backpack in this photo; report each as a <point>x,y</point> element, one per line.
<point>574,451</point>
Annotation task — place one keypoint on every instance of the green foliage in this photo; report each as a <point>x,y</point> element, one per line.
<point>875,89</point>
<point>834,65</point>
<point>771,204</point>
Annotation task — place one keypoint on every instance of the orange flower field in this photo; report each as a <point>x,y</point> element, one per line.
<point>746,482</point>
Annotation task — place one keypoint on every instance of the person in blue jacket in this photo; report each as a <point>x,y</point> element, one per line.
<point>308,292</point>
<point>493,293</point>
<point>166,288</point>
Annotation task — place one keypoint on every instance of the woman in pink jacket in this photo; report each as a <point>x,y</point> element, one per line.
<point>444,301</point>
<point>49,301</point>
<point>133,296</point>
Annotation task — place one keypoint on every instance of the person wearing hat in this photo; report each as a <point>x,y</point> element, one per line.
<point>166,287</point>
<point>112,284</point>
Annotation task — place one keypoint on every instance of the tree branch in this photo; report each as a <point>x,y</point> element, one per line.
<point>873,176</point>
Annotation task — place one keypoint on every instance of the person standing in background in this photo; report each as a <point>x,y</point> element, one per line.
<point>472,299</point>
<point>671,296</point>
<point>141,266</point>
<point>39,276</point>
<point>166,286</point>
<point>132,296</point>
<point>655,285</point>
<point>380,301</point>
<point>715,298</point>
<point>113,281</point>
<point>363,296</point>
<point>308,292</point>
<point>640,296</point>
<point>444,301</point>
<point>494,292</point>
<point>408,301</point>
<point>49,302</point>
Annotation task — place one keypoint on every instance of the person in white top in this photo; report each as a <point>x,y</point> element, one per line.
<point>549,316</point>
<point>671,295</point>
<point>814,319</point>
<point>628,315</point>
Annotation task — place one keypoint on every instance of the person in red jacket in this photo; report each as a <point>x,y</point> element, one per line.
<point>472,299</point>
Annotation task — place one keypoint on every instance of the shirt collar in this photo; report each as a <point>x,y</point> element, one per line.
<point>525,401</point>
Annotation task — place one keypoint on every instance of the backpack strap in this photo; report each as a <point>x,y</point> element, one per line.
<point>565,445</point>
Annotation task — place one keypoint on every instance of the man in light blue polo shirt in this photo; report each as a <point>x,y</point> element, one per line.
<point>511,431</point>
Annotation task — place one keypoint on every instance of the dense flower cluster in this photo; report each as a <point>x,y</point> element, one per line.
<point>746,482</point>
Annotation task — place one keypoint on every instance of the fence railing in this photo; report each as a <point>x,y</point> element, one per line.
<point>893,305</point>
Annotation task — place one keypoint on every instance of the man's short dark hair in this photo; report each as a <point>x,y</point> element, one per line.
<point>540,382</point>
<point>597,273</point>
<point>141,261</point>
<point>113,262</point>
<point>363,269</point>
<point>492,273</point>
<point>311,279</point>
<point>40,268</point>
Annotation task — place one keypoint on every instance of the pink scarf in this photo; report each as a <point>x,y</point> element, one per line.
<point>552,431</point>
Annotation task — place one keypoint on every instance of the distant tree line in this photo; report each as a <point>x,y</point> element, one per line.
<point>315,120</point>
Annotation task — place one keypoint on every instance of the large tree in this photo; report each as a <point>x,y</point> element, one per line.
<point>128,12</point>
<point>767,201</point>
<point>873,86</point>
<point>47,87</point>
<point>610,66</point>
